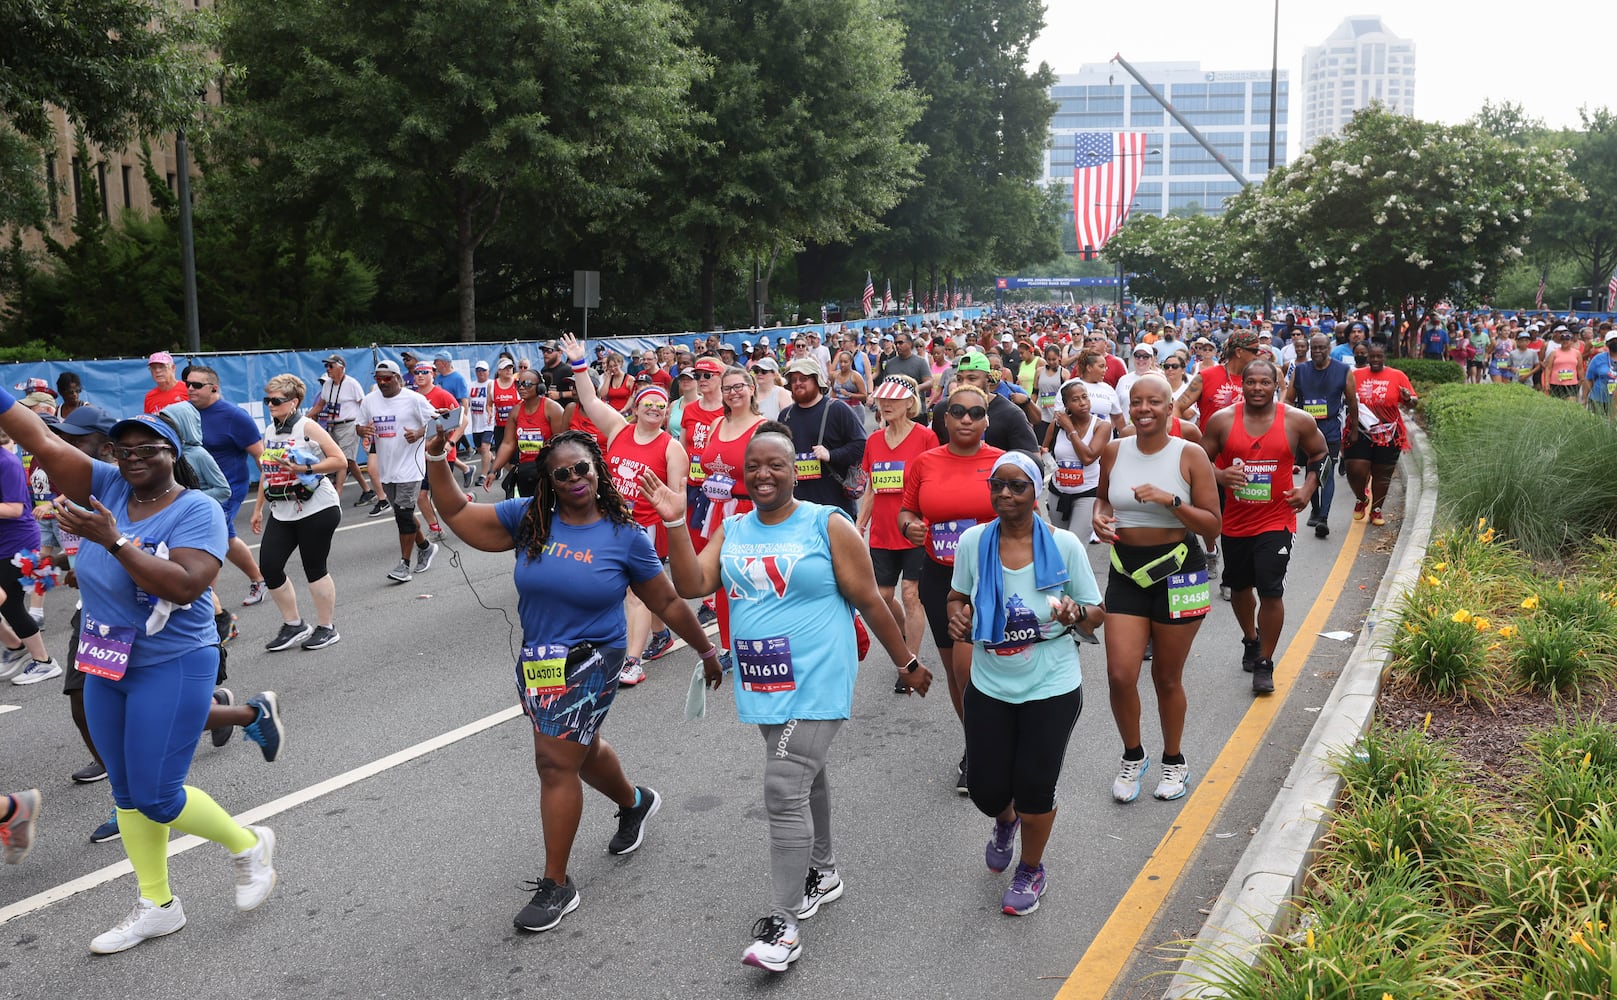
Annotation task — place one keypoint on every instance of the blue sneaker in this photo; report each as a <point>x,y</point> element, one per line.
<point>106,831</point>
<point>1001,844</point>
<point>1027,885</point>
<point>658,646</point>
<point>265,730</point>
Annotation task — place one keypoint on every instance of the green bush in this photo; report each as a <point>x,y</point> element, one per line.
<point>1429,371</point>
<point>1541,470</point>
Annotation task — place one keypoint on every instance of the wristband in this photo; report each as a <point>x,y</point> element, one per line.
<point>711,654</point>
<point>913,665</point>
<point>580,365</point>
<point>442,456</point>
<point>673,524</point>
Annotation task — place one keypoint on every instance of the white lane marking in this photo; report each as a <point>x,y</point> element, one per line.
<point>274,807</point>
<point>258,814</point>
<point>346,527</point>
<point>9,708</point>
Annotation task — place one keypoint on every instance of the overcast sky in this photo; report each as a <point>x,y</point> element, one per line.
<point>1548,55</point>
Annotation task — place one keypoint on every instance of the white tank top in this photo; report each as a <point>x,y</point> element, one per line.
<point>1071,475</point>
<point>1133,469</point>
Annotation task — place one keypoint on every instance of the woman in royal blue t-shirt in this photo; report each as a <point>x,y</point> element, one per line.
<point>151,547</point>
<point>578,551</point>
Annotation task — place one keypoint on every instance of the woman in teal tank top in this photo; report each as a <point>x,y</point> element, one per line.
<point>794,573</point>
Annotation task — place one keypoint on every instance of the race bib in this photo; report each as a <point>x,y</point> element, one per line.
<point>944,537</point>
<point>1316,408</point>
<point>764,666</point>
<point>697,475</point>
<point>1021,629</point>
<point>1566,376</point>
<point>1257,488</point>
<point>544,668</point>
<point>69,541</point>
<point>1189,595</point>
<point>104,649</point>
<point>272,464</point>
<point>717,487</point>
<point>887,477</point>
<point>808,467</point>
<point>384,427</point>
<point>1523,372</point>
<point>530,442</point>
<point>1047,401</point>
<point>1069,475</point>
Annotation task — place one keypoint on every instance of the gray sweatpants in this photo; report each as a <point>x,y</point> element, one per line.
<point>797,795</point>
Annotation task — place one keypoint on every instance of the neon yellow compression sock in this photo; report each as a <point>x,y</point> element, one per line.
<point>146,844</point>
<point>205,818</point>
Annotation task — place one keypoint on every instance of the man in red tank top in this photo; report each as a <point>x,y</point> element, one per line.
<point>1252,445</point>
<point>1215,387</point>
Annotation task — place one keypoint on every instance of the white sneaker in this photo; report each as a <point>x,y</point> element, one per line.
<point>12,660</point>
<point>778,945</point>
<point>146,920</point>
<point>820,887</point>
<point>1172,783</point>
<point>255,872</point>
<point>37,671</point>
<point>1126,788</point>
<point>631,674</point>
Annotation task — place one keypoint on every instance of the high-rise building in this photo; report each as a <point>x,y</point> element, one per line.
<point>1359,63</point>
<point>1230,108</point>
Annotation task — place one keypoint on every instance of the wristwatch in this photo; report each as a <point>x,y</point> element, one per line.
<point>118,545</point>
<point>1177,501</point>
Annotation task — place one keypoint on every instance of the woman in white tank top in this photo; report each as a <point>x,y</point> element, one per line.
<point>1157,493</point>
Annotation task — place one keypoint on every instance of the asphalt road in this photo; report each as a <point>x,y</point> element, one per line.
<point>403,882</point>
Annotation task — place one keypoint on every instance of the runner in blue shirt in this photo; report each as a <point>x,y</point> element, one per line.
<point>1600,378</point>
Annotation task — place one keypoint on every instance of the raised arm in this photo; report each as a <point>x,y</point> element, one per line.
<point>68,467</point>
<point>601,414</point>
<point>694,575</point>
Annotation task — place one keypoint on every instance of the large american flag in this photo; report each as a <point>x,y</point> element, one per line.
<point>1106,170</point>
<point>870,293</point>
<point>1611,292</point>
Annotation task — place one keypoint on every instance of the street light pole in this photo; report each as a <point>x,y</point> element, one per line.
<point>188,255</point>
<point>1274,118</point>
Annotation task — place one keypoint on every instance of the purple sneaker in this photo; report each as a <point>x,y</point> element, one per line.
<point>1001,844</point>
<point>1027,885</point>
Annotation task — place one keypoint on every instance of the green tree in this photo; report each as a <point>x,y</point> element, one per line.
<point>802,136</point>
<point>1396,211</point>
<point>1585,229</point>
<point>978,206</point>
<point>1180,259</point>
<point>424,121</point>
<point>1509,121</point>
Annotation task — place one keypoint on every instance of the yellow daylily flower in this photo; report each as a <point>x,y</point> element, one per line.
<point>1482,522</point>
<point>1507,632</point>
<point>1460,617</point>
<point>1577,939</point>
<point>1481,623</point>
<point>1492,647</point>
<point>1531,602</point>
<point>1486,537</point>
<point>1432,581</point>
<point>1440,567</point>
<point>1310,939</point>
<point>1427,725</point>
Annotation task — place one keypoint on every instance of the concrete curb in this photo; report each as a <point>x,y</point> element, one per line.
<point>1255,903</point>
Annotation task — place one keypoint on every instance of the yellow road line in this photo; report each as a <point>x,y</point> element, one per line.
<point>1123,932</point>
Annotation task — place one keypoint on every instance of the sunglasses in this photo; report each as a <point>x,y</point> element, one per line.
<point>961,413</point>
<point>140,451</point>
<point>384,377</point>
<point>197,385</point>
<point>329,364</point>
<point>527,383</point>
<point>1172,368</point>
<point>1017,487</point>
<point>566,473</point>
<point>704,376</point>
<point>276,400</point>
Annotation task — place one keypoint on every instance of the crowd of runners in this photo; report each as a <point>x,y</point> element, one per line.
<point>810,498</point>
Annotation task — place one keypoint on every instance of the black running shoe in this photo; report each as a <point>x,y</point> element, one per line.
<point>289,636</point>
<point>221,734</point>
<point>90,773</point>
<point>1263,677</point>
<point>632,822</point>
<point>1251,653</point>
<point>706,616</point>
<point>960,784</point>
<point>365,498</point>
<point>549,904</point>
<point>380,507</point>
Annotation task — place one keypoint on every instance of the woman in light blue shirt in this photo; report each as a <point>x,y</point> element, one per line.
<point>1022,591</point>
<point>794,572</point>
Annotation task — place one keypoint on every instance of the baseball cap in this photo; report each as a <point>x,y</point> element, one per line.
<point>1146,350</point>
<point>481,366</point>
<point>421,366</point>
<point>442,356</point>
<point>746,345</point>
<point>161,358</point>
<point>727,347</point>
<point>767,364</point>
<point>972,363</point>
<point>150,422</point>
<point>685,373</point>
<point>708,363</point>
<point>87,420</point>
<point>390,367</point>
<point>504,364</point>
<point>549,345</point>
<point>807,366</point>
<point>763,341</point>
<point>335,359</point>
<point>40,385</point>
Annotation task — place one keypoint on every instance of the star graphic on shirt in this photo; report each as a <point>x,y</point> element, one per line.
<point>719,467</point>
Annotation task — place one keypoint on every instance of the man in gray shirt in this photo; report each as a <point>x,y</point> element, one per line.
<point>906,362</point>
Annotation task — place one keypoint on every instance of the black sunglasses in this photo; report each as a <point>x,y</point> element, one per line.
<point>1172,367</point>
<point>960,412</point>
<point>704,376</point>
<point>527,383</point>
<point>1016,486</point>
<point>565,473</point>
<point>197,385</point>
<point>143,452</point>
<point>276,400</point>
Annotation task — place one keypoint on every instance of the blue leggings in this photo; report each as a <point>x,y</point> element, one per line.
<point>146,727</point>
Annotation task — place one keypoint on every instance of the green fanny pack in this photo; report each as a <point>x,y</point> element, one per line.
<point>1157,570</point>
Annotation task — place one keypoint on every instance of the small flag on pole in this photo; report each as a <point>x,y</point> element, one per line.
<point>1538,300</point>
<point>869,297</point>
<point>887,297</point>
<point>909,298</point>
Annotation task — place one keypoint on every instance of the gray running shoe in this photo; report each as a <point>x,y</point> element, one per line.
<point>401,573</point>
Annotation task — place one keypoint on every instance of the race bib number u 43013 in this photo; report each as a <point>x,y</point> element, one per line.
<point>544,668</point>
